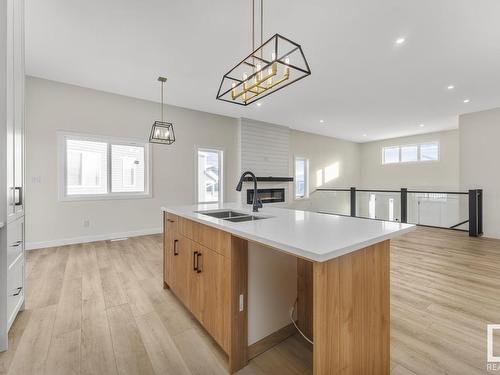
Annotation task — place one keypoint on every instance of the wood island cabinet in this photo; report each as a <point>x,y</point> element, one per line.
<point>342,304</point>
<point>203,269</point>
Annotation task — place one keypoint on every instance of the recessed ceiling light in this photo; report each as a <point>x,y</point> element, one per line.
<point>400,40</point>
<point>364,135</point>
<point>466,100</point>
<point>321,121</point>
<point>451,87</point>
<point>259,104</point>
<point>421,125</point>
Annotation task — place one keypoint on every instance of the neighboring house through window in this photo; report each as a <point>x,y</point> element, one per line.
<point>209,175</point>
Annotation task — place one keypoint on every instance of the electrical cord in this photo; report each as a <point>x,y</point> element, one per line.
<point>292,310</point>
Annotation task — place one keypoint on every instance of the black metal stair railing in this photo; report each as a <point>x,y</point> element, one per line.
<point>474,200</point>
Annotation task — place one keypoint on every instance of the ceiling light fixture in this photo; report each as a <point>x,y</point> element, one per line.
<point>259,104</point>
<point>421,125</point>
<point>162,132</point>
<point>466,100</point>
<point>451,87</point>
<point>322,121</point>
<point>400,40</point>
<point>275,64</point>
<point>364,135</point>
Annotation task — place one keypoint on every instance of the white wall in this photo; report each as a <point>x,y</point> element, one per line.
<point>332,163</point>
<point>479,163</point>
<point>265,151</point>
<point>53,106</point>
<point>440,175</point>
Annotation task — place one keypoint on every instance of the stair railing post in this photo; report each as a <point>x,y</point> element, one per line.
<point>475,222</point>
<point>353,201</point>
<point>404,205</point>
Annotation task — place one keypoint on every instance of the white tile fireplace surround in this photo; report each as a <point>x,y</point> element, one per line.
<point>265,151</point>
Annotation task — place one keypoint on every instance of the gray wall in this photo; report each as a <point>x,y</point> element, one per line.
<point>439,175</point>
<point>53,106</point>
<point>479,163</point>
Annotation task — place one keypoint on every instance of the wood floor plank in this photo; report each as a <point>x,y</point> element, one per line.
<point>198,357</point>
<point>64,354</point>
<point>161,349</point>
<point>97,355</point>
<point>130,354</point>
<point>112,288</point>
<point>31,354</point>
<point>69,309</point>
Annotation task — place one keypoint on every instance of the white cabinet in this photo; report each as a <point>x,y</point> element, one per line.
<point>12,258</point>
<point>15,289</point>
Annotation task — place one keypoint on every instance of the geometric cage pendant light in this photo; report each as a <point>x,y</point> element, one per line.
<point>275,64</point>
<point>162,132</point>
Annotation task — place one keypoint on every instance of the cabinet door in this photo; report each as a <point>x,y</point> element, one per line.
<point>194,281</point>
<point>18,72</point>
<point>10,111</point>
<point>214,295</point>
<point>170,234</point>
<point>182,268</point>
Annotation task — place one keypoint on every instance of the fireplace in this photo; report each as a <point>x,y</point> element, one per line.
<point>267,195</point>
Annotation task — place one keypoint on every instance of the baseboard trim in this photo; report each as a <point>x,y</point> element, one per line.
<point>86,239</point>
<point>269,341</point>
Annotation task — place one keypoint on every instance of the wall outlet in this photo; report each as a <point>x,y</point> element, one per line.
<point>86,223</point>
<point>242,303</point>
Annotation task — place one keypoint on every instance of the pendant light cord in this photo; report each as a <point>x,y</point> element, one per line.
<point>162,101</point>
<point>253,25</point>
<point>261,22</point>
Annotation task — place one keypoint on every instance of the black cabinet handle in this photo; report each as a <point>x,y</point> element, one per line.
<point>175,247</point>
<point>198,268</point>
<point>171,221</point>
<point>18,198</point>
<point>18,291</point>
<point>195,259</point>
<point>17,243</point>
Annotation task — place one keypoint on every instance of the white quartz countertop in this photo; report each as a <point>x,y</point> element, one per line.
<point>310,235</point>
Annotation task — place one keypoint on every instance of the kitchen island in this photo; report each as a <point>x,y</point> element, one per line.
<point>342,291</point>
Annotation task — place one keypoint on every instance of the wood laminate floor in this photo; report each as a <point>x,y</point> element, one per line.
<point>100,308</point>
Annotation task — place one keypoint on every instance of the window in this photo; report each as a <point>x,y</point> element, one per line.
<point>209,176</point>
<point>127,165</point>
<point>301,178</point>
<point>429,151</point>
<point>391,155</point>
<point>100,167</point>
<point>410,153</point>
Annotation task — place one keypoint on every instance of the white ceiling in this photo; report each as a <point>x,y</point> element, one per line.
<point>363,85</point>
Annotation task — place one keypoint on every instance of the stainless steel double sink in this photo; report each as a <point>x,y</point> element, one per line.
<point>230,215</point>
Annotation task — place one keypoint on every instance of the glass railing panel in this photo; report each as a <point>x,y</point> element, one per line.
<point>439,209</point>
<point>378,205</point>
<point>333,202</point>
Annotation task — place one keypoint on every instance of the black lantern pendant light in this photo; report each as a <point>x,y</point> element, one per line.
<point>162,132</point>
<point>277,63</point>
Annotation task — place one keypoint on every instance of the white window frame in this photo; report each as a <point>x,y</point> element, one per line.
<point>220,151</point>
<point>62,137</point>
<point>418,145</point>
<point>306,178</point>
